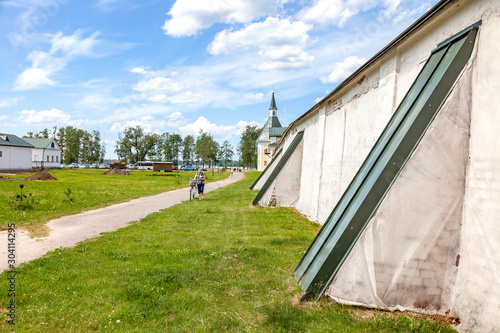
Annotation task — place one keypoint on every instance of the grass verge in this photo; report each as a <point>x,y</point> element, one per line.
<point>88,189</point>
<point>216,265</point>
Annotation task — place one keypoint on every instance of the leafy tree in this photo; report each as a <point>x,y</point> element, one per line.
<point>226,152</point>
<point>215,151</point>
<point>91,150</point>
<point>206,148</point>
<point>70,141</point>
<point>79,145</point>
<point>248,146</point>
<point>163,147</point>
<point>170,146</point>
<point>175,144</point>
<point>149,145</point>
<point>133,145</point>
<point>188,149</point>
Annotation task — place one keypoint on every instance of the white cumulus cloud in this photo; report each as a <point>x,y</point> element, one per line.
<point>188,17</point>
<point>218,131</point>
<point>147,123</point>
<point>53,115</point>
<point>281,43</point>
<point>45,64</point>
<point>50,117</point>
<point>343,69</point>
<point>33,78</point>
<point>338,12</point>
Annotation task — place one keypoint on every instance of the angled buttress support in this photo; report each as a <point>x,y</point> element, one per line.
<point>286,156</point>
<point>267,168</point>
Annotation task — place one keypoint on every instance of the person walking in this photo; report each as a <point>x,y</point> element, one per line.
<point>200,182</point>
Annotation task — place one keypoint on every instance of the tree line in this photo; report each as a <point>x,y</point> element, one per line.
<point>77,145</point>
<point>135,145</point>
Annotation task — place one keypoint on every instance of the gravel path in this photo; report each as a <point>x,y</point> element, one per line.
<point>70,230</point>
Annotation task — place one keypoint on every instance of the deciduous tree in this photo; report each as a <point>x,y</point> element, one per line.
<point>188,149</point>
<point>206,148</point>
<point>134,145</point>
<point>226,152</point>
<point>248,146</point>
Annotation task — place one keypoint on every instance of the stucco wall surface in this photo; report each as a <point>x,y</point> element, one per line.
<point>15,158</point>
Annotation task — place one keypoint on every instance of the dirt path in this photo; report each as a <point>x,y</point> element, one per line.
<point>70,230</point>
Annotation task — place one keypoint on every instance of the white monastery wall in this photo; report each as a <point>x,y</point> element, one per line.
<point>15,158</point>
<point>478,291</point>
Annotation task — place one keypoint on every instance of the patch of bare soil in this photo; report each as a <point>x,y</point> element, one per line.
<point>41,176</point>
<point>121,172</point>
<point>370,313</point>
<point>11,179</point>
<point>367,313</point>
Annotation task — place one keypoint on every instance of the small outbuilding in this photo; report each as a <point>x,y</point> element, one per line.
<point>46,153</point>
<point>15,153</point>
<point>162,166</point>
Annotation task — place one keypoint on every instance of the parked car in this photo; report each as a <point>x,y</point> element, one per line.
<point>104,166</point>
<point>73,165</point>
<point>174,168</point>
<point>189,168</point>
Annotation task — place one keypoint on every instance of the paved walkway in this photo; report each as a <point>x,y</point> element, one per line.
<point>70,230</point>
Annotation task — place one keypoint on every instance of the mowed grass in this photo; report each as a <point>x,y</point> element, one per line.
<point>217,265</point>
<point>90,189</point>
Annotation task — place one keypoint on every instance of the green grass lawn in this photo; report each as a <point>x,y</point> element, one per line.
<point>217,265</point>
<point>90,189</point>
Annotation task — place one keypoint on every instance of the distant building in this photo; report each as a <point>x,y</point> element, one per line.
<point>46,153</point>
<point>15,153</point>
<point>269,138</point>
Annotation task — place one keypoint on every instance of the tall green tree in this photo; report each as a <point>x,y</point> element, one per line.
<point>134,145</point>
<point>91,149</point>
<point>70,141</point>
<point>188,149</point>
<point>80,145</point>
<point>171,146</point>
<point>206,148</point>
<point>163,147</point>
<point>248,146</point>
<point>226,152</point>
<point>175,144</point>
<point>150,144</point>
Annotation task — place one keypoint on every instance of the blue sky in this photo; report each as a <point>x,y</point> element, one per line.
<point>185,65</point>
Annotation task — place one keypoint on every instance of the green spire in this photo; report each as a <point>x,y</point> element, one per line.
<point>273,104</point>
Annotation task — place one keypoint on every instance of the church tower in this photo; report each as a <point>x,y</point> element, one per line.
<point>269,137</point>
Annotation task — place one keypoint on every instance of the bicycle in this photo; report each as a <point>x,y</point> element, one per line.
<point>192,191</point>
